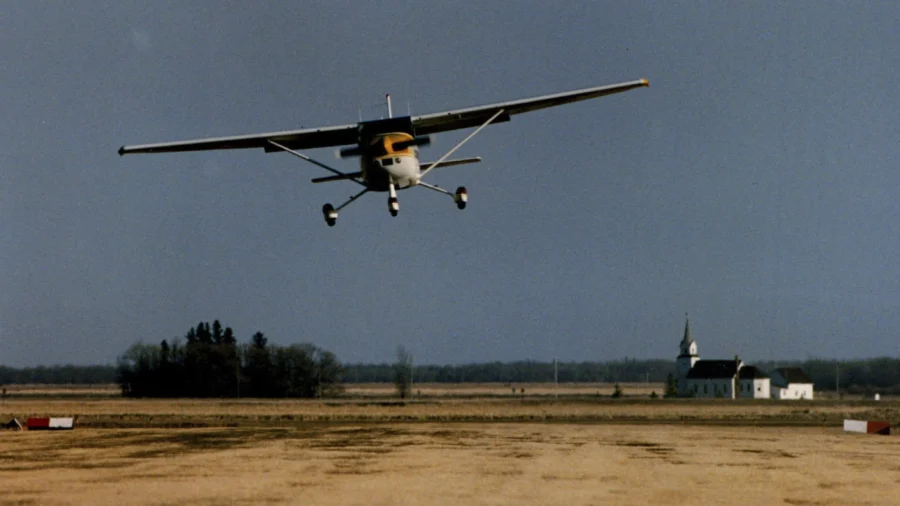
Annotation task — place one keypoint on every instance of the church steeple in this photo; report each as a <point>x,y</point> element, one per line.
<point>686,359</point>
<point>686,340</point>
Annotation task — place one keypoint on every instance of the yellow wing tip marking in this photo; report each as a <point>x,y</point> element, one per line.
<point>645,82</point>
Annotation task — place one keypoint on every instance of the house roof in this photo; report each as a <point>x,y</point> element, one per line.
<point>713,369</point>
<point>752,372</point>
<point>793,375</point>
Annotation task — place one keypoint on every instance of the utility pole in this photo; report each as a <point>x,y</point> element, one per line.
<point>237,372</point>
<point>555,379</point>
<point>837,379</point>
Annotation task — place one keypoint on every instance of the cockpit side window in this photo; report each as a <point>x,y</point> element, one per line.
<point>387,161</point>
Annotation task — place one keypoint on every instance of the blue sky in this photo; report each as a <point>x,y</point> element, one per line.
<point>752,185</point>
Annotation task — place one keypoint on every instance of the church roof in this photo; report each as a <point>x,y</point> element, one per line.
<point>752,372</point>
<point>713,369</point>
<point>792,375</point>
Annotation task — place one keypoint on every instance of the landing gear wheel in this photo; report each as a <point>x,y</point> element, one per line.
<point>461,197</point>
<point>330,214</point>
<point>393,206</point>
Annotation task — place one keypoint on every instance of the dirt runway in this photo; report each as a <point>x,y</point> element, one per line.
<point>451,463</point>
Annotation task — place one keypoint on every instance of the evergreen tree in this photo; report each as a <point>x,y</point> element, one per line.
<point>217,334</point>
<point>671,387</point>
<point>228,337</point>
<point>164,353</point>
<point>191,336</point>
<point>259,367</point>
<point>259,340</point>
<point>203,334</point>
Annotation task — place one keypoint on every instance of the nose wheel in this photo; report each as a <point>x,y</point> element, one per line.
<point>330,213</point>
<point>461,197</point>
<point>393,206</point>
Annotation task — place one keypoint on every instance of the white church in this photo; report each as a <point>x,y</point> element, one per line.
<point>731,379</point>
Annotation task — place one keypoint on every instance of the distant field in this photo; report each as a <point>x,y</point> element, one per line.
<point>503,389</point>
<point>104,390</point>
<point>387,389</point>
<point>449,463</point>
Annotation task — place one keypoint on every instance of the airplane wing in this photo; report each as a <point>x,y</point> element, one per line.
<point>475,116</point>
<point>294,139</point>
<point>343,135</point>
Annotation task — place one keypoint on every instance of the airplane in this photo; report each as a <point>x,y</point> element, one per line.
<point>388,148</point>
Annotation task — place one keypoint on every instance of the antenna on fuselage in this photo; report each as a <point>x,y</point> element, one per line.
<point>388,97</point>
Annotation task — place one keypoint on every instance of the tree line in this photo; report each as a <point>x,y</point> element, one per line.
<point>210,363</point>
<point>58,375</point>
<point>625,371</point>
<point>856,376</point>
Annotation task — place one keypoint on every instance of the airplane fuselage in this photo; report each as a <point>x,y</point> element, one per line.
<point>382,163</point>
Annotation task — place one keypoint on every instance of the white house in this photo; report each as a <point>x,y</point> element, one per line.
<point>791,383</point>
<point>754,384</point>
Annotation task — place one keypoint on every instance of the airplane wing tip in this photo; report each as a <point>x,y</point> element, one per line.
<point>122,151</point>
<point>645,82</point>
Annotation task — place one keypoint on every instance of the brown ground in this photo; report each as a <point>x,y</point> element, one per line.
<point>461,445</point>
<point>433,463</point>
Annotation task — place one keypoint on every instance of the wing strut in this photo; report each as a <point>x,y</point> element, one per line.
<point>441,159</point>
<point>349,177</point>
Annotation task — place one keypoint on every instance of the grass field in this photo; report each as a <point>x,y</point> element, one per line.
<point>466,446</point>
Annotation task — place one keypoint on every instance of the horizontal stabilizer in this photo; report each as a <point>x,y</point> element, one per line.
<point>343,177</point>
<point>448,163</point>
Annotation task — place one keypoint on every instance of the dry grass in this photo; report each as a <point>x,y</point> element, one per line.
<point>441,390</point>
<point>129,413</point>
<point>436,463</point>
<point>40,390</point>
<point>381,390</point>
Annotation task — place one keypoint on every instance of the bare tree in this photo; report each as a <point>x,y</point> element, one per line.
<point>403,369</point>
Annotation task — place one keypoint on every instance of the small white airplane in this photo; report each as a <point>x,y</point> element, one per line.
<point>387,148</point>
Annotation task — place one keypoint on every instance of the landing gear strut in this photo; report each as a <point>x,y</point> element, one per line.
<point>393,204</point>
<point>461,197</point>
<point>331,213</point>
